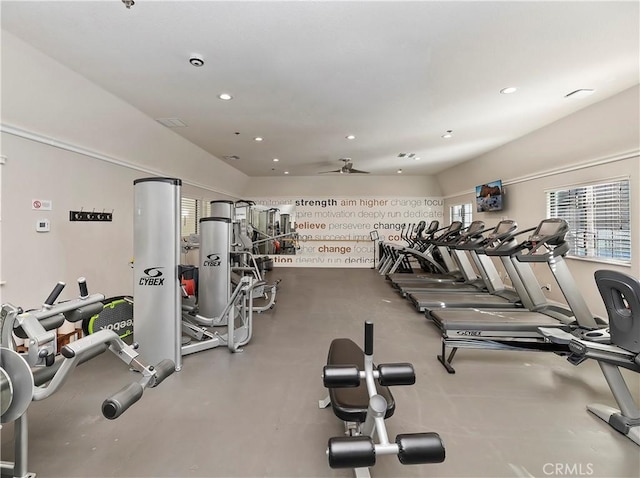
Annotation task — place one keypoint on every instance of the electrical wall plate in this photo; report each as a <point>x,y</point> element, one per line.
<point>43,225</point>
<point>90,216</point>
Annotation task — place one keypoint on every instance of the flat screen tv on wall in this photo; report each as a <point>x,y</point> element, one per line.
<point>489,196</point>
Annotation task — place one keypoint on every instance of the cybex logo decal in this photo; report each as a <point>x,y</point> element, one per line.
<point>474,333</point>
<point>153,277</point>
<point>212,260</point>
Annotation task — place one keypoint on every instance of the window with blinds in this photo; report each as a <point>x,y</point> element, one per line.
<point>599,218</point>
<point>462,213</point>
<point>190,216</point>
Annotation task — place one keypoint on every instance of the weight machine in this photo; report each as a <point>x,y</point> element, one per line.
<point>40,371</point>
<point>168,322</point>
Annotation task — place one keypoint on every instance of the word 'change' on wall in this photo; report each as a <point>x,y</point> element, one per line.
<point>337,232</point>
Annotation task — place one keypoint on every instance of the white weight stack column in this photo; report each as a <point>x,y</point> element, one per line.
<point>157,304</point>
<point>214,276</point>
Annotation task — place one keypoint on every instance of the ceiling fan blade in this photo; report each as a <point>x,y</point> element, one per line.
<point>357,171</point>
<point>326,172</point>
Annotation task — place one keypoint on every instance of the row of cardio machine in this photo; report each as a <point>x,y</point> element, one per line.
<point>455,283</point>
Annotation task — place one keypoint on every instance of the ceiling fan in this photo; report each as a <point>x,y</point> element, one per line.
<point>347,168</point>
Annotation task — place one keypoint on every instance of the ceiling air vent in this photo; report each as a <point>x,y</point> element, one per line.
<point>172,122</point>
<point>232,157</point>
<point>406,155</point>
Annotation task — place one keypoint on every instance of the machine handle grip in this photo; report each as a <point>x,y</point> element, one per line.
<point>82,284</point>
<point>163,369</point>
<point>55,293</point>
<point>368,338</point>
<point>118,403</point>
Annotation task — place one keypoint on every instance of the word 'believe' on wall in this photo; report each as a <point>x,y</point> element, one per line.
<point>335,232</point>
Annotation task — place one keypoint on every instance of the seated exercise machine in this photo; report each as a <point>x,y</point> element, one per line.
<point>613,347</point>
<point>364,407</point>
<point>40,371</point>
<point>243,249</point>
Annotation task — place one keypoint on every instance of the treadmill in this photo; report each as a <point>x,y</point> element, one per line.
<point>392,257</point>
<point>518,329</point>
<point>459,259</point>
<point>498,296</point>
<point>446,272</point>
<point>419,248</point>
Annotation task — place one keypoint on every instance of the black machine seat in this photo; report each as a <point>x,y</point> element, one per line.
<point>350,404</point>
<point>621,295</point>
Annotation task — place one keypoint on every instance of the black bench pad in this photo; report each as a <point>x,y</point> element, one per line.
<point>350,404</point>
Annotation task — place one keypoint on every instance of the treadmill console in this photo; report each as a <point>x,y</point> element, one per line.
<point>503,229</point>
<point>550,231</point>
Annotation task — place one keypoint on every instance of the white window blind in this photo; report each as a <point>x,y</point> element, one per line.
<point>206,207</point>
<point>599,218</point>
<point>190,216</point>
<point>462,213</point>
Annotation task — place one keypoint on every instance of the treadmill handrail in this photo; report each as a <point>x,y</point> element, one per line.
<point>447,237</point>
<point>506,247</point>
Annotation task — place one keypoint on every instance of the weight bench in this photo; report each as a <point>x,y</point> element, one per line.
<point>364,407</point>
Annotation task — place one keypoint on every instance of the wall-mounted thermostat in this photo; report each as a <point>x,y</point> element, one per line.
<point>43,225</point>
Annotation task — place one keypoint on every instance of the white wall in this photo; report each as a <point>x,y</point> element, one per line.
<point>42,96</point>
<point>343,185</point>
<point>590,145</point>
<point>71,142</point>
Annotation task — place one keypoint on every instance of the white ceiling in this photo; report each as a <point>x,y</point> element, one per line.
<point>304,75</point>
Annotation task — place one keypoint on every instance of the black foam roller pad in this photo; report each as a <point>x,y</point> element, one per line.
<point>416,448</point>
<point>50,323</point>
<point>396,374</point>
<point>341,376</point>
<point>163,369</point>
<point>351,452</point>
<point>117,404</point>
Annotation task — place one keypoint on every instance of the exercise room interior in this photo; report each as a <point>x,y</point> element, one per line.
<point>245,185</point>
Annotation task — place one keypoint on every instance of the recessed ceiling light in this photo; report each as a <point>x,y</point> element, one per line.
<point>508,90</point>
<point>258,138</point>
<point>448,134</point>
<point>225,96</point>
<point>275,160</point>
<point>583,93</point>
<point>350,137</point>
<point>417,158</point>
<point>399,171</point>
<point>286,172</point>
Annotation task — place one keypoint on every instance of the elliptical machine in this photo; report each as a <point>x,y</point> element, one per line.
<point>613,347</point>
